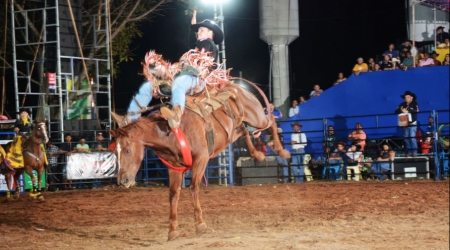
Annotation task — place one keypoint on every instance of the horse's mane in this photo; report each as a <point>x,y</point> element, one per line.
<point>141,125</point>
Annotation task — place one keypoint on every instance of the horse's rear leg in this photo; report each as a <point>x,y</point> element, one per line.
<point>194,188</point>
<point>174,195</point>
<point>17,175</point>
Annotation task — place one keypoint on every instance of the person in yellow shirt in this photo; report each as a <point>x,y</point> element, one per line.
<point>361,66</point>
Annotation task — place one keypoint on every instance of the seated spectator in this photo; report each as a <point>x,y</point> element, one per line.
<point>82,146</point>
<point>426,61</point>
<point>376,68</point>
<point>382,165</point>
<point>360,66</point>
<point>355,156</point>
<point>358,136</point>
<point>434,55</point>
<point>446,61</point>
<point>330,166</point>
<point>408,61</point>
<point>340,79</point>
<point>385,64</point>
<point>371,64</point>
<point>275,112</point>
<point>100,144</point>
<point>446,44</point>
<point>391,52</point>
<point>294,110</point>
<point>340,153</point>
<point>302,99</point>
<point>441,35</point>
<point>316,92</point>
<point>406,45</point>
<point>395,63</point>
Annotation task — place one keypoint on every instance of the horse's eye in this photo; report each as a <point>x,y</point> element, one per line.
<point>127,151</point>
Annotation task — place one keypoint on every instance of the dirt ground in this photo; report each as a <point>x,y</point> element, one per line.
<point>355,215</point>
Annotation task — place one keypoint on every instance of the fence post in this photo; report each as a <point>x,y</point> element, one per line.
<point>230,164</point>
<point>437,167</point>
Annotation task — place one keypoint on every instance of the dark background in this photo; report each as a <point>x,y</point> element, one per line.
<point>333,34</point>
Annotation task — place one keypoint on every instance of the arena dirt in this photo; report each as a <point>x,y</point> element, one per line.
<point>356,215</point>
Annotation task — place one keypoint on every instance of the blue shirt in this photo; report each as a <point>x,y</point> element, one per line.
<point>394,53</point>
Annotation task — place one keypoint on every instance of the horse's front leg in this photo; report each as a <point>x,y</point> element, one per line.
<point>8,185</point>
<point>197,175</point>
<point>174,195</point>
<point>40,170</point>
<point>29,171</point>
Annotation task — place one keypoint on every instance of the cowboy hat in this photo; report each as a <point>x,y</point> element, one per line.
<point>341,143</point>
<point>296,124</point>
<point>218,33</point>
<point>440,27</point>
<point>24,110</point>
<point>409,93</point>
<point>279,130</point>
<point>434,52</point>
<point>395,60</point>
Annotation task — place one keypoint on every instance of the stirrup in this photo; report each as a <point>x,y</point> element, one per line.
<point>171,116</point>
<point>120,120</point>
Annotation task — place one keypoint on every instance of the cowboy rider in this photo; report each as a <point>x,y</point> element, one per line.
<point>208,35</point>
<point>23,124</point>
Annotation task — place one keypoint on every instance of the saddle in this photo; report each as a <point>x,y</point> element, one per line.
<point>206,103</point>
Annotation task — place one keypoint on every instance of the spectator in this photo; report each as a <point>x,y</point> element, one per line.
<point>100,144</point>
<point>395,63</point>
<point>340,79</point>
<point>358,136</point>
<point>385,64</point>
<point>355,156</point>
<point>298,143</point>
<point>53,170</point>
<point>275,112</point>
<point>316,92</point>
<point>82,147</point>
<point>408,61</point>
<point>66,148</point>
<point>330,167</point>
<point>446,61</point>
<point>371,64</point>
<point>434,56</point>
<point>270,151</point>
<point>340,154</point>
<point>426,60</point>
<point>260,146</point>
<point>330,139</point>
<point>406,45</point>
<point>302,100</point>
<point>382,165</point>
<point>360,66</point>
<point>441,35</point>
<point>377,67</point>
<point>410,107</point>
<point>294,110</point>
<point>391,52</point>
<point>446,43</point>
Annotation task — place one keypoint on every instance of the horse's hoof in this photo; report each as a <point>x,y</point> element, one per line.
<point>201,228</point>
<point>259,156</point>
<point>40,198</point>
<point>285,154</point>
<point>173,235</point>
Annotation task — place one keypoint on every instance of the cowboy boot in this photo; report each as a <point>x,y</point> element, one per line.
<point>173,116</point>
<point>120,119</point>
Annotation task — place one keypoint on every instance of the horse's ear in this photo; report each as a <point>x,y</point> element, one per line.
<point>112,133</point>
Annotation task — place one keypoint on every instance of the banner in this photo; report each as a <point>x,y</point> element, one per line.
<point>95,165</point>
<point>51,81</point>
<point>4,187</point>
<point>29,184</point>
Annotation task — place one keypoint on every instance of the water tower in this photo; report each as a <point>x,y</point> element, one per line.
<point>279,26</point>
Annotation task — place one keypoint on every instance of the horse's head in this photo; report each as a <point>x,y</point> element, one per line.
<point>130,152</point>
<point>40,130</point>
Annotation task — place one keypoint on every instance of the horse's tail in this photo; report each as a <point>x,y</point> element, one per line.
<point>269,115</point>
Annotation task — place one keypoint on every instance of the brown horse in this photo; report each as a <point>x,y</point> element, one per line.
<point>33,158</point>
<point>154,132</point>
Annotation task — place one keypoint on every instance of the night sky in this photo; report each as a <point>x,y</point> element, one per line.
<point>333,34</point>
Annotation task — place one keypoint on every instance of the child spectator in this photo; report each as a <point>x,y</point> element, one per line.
<point>371,64</point>
<point>340,79</point>
<point>302,99</point>
<point>408,61</point>
<point>316,92</point>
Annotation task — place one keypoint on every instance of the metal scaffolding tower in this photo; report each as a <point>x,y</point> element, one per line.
<point>49,63</point>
